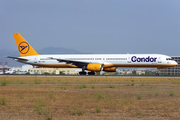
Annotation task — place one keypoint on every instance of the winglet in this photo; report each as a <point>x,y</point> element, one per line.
<point>23,46</point>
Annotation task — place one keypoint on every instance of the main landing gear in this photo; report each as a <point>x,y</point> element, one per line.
<point>84,73</point>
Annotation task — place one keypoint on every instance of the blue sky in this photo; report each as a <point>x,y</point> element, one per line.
<point>93,26</point>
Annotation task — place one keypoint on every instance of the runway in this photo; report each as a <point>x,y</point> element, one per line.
<point>103,76</point>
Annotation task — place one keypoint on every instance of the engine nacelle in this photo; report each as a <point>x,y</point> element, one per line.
<point>111,69</point>
<point>94,67</point>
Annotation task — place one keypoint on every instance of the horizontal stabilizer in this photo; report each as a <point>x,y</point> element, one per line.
<point>16,58</point>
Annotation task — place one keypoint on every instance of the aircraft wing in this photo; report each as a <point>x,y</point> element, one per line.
<point>72,62</point>
<point>16,58</point>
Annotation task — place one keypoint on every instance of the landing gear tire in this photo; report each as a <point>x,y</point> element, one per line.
<point>91,73</point>
<point>157,74</point>
<point>82,73</point>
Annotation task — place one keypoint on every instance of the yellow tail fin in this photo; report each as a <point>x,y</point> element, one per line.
<point>23,46</point>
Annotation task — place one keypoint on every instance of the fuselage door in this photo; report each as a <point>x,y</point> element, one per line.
<point>35,60</point>
<point>129,59</point>
<point>159,60</point>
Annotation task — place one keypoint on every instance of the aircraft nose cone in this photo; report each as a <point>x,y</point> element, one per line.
<point>175,63</point>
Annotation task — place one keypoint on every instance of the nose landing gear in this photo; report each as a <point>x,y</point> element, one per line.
<point>157,73</point>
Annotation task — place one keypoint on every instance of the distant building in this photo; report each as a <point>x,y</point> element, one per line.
<point>68,71</point>
<point>172,70</point>
<point>129,73</point>
<point>140,72</point>
<point>1,68</point>
<point>26,67</point>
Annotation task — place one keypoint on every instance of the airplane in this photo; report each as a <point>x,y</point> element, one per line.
<point>91,62</point>
<point>11,71</point>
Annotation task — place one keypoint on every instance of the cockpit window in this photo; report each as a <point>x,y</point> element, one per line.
<point>169,59</point>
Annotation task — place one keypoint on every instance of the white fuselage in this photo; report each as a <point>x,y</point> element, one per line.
<point>108,60</point>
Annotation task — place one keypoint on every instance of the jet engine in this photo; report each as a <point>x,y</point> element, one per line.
<point>97,67</point>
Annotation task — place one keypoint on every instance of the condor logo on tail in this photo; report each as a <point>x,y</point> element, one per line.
<point>23,47</point>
